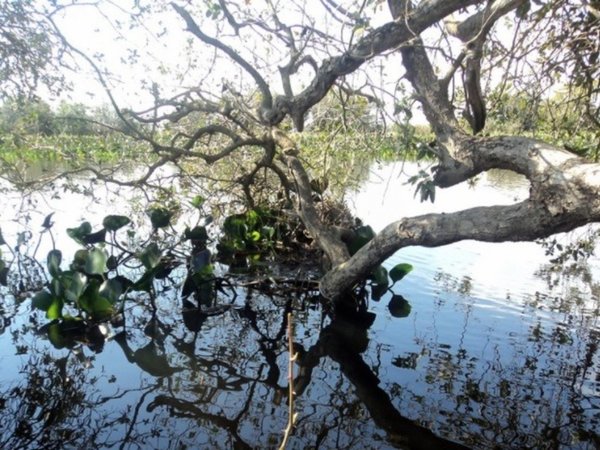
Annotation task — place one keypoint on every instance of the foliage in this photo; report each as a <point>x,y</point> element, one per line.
<point>379,276</point>
<point>105,272</point>
<point>256,231</point>
<point>557,119</point>
<point>18,153</point>
<point>31,117</point>
<point>30,52</point>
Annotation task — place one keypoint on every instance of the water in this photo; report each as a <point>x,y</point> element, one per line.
<point>496,352</point>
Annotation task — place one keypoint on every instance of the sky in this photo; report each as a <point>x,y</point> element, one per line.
<point>165,53</point>
<point>93,31</point>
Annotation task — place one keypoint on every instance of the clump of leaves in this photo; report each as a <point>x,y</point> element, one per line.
<point>91,290</point>
<point>252,232</point>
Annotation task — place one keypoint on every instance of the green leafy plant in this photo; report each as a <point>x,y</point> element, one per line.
<point>379,277</point>
<point>254,231</point>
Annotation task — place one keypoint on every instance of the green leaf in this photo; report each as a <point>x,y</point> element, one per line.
<point>95,263</point>
<point>252,218</point>
<point>377,291</point>
<point>235,226</point>
<point>55,309</point>
<point>200,261</point>
<point>79,260</point>
<point>399,306</point>
<point>159,217</point>
<point>197,201</point>
<point>53,261</point>
<point>146,281</point>
<point>73,284</point>
<point>95,238</point>
<point>254,236</point>
<point>113,223</point>
<point>399,271</point>
<point>56,287</point>
<point>197,234</point>
<point>112,262</point>
<point>78,234</point>
<point>2,241</point>
<point>101,308</point>
<point>4,275</point>
<point>111,290</point>
<point>93,303</point>
<point>67,333</point>
<point>55,336</point>
<point>150,256</point>
<point>380,276</point>
<point>268,232</point>
<point>151,361</point>
<point>362,235</point>
<point>42,300</point>
<point>47,224</point>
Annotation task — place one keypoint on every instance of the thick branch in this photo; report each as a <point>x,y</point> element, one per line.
<point>480,23</point>
<point>430,91</point>
<point>563,195</point>
<point>329,240</point>
<point>525,221</point>
<point>380,40</point>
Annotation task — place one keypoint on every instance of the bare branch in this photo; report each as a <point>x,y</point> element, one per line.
<point>381,39</point>
<point>192,26</point>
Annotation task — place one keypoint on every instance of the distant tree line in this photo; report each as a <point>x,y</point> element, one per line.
<point>36,117</point>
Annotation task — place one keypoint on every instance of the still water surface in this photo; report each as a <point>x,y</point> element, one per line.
<point>497,352</point>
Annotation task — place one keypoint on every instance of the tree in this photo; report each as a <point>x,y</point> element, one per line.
<point>30,54</point>
<point>237,107</point>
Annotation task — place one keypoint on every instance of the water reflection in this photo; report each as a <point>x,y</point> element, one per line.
<point>495,351</point>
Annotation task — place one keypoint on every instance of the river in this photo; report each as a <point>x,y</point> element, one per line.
<point>498,350</point>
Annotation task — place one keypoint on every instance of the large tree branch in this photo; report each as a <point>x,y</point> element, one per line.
<point>430,92</point>
<point>380,40</point>
<point>478,25</point>
<point>563,195</point>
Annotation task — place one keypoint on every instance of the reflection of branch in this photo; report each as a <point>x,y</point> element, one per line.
<point>292,416</point>
<point>183,408</point>
<point>343,341</point>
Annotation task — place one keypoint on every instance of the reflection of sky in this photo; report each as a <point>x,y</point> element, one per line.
<point>471,298</point>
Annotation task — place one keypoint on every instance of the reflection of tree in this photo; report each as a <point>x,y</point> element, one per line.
<point>220,385</point>
<point>530,388</point>
<point>343,342</point>
<point>54,407</point>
